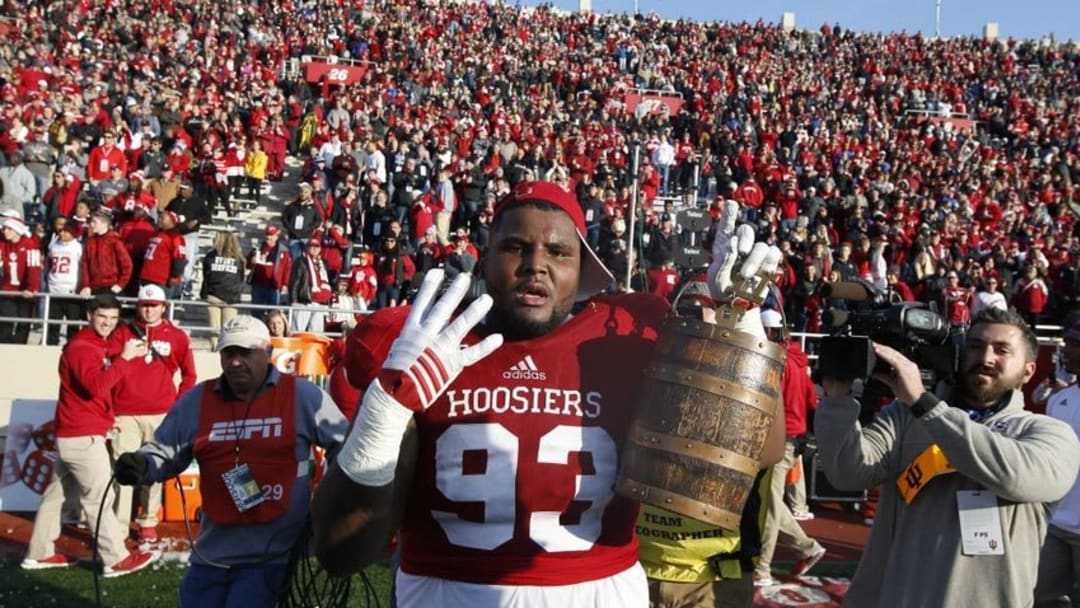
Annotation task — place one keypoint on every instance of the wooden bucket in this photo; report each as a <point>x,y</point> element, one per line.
<point>701,420</point>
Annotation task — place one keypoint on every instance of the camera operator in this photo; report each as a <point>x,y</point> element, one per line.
<point>965,473</point>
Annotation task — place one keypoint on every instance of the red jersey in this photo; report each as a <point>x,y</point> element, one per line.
<point>957,304</point>
<point>22,265</point>
<point>102,159</point>
<point>164,258</point>
<point>517,460</point>
<point>1031,296</point>
<point>662,281</point>
<point>151,388</point>
<point>86,381</point>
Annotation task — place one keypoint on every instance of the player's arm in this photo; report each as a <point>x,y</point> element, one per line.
<point>354,522</point>
<point>357,506</point>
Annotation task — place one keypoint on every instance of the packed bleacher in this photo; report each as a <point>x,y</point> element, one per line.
<point>937,170</point>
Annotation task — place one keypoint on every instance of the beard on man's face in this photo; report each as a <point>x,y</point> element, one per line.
<point>516,327</point>
<point>983,387</point>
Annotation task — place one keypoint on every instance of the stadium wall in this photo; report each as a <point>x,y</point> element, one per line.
<point>31,375</point>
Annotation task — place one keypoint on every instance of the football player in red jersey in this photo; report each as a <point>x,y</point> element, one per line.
<point>500,473</point>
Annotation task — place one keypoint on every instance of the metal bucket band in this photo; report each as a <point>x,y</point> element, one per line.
<point>694,449</point>
<point>698,380</point>
<point>678,503</point>
<point>741,339</point>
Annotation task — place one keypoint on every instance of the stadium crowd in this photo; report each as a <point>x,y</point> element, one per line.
<point>895,158</point>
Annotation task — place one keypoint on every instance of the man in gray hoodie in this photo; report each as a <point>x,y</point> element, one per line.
<point>18,185</point>
<point>964,484</point>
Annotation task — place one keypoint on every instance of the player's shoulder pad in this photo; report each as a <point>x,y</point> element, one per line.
<point>369,342</point>
<point>646,308</point>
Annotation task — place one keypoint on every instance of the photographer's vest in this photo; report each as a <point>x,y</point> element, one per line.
<point>676,548</point>
<point>260,434</point>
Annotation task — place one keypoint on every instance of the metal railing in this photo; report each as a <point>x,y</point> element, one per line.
<point>176,311</point>
<point>1047,334</point>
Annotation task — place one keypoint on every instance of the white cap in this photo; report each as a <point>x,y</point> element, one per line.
<point>244,331</point>
<point>152,294</point>
<point>771,319</point>
<point>17,225</point>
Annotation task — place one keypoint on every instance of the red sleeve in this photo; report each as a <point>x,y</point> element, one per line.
<point>188,375</point>
<point>285,267</point>
<point>124,258</point>
<point>370,342</point>
<point>91,375</point>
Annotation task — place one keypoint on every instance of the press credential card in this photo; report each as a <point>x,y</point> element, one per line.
<point>980,523</point>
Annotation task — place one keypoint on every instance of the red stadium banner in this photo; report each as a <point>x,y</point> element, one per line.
<point>336,71</point>
<point>642,103</point>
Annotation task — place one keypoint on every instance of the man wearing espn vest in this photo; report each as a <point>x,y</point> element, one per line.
<point>21,273</point>
<point>142,398</point>
<point>964,483</point>
<point>498,444</point>
<point>251,431</point>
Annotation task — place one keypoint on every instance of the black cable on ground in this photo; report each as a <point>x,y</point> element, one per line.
<point>94,542</point>
<point>309,586</point>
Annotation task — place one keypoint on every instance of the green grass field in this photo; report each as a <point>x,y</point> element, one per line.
<point>159,585</point>
<point>156,587</point>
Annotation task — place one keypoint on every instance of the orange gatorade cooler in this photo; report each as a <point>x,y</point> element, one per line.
<point>305,355</point>
<point>173,507</point>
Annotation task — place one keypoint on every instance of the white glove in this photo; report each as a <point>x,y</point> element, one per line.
<point>426,357</point>
<point>755,274</point>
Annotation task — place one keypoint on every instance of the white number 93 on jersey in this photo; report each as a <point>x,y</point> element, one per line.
<point>496,486</point>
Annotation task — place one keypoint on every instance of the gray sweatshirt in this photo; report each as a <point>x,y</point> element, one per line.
<point>913,557</point>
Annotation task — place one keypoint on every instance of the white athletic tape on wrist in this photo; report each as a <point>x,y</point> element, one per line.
<point>370,454</point>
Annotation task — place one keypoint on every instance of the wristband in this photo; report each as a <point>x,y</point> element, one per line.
<point>369,456</point>
<point>926,402</point>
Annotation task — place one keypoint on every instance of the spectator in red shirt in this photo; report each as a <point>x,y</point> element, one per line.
<point>271,268</point>
<point>143,396</point>
<point>1030,295</point>
<point>104,157</point>
<point>663,279</point>
<point>22,273</point>
<point>106,264</point>
<point>363,284</point>
<point>956,300</point>
<point>164,262</point>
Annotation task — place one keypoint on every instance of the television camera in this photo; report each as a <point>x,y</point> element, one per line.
<point>915,329</point>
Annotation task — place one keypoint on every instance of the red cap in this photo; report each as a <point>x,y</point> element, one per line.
<point>272,230</point>
<point>595,277</point>
<point>314,241</point>
<point>172,216</point>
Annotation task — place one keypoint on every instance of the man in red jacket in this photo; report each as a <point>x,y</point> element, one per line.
<point>21,273</point>
<point>84,416</point>
<point>106,265</point>
<point>799,398</point>
<point>142,398</point>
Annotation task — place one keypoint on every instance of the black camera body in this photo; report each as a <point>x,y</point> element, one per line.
<point>914,329</point>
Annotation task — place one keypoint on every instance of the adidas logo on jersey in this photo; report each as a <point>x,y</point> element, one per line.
<point>524,370</point>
